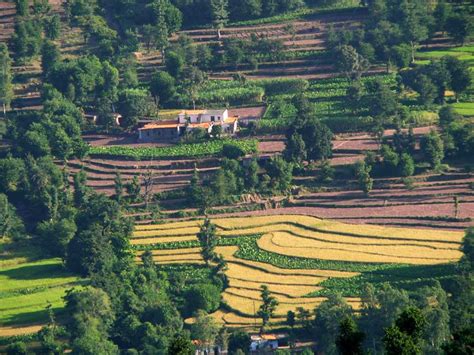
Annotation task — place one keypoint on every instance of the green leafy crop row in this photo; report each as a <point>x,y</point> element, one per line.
<point>176,151</point>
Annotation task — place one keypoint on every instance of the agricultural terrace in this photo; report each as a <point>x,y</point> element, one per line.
<point>465,53</point>
<point>205,149</point>
<point>27,288</point>
<point>301,258</point>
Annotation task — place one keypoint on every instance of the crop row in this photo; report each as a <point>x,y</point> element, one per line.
<point>210,148</point>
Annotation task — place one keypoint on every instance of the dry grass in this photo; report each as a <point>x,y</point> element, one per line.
<point>176,258</point>
<point>255,295</point>
<point>255,221</point>
<point>287,244</point>
<point>291,235</point>
<point>166,232</point>
<point>228,254</point>
<point>241,272</point>
<point>288,290</point>
<point>185,261</point>
<point>249,307</point>
<point>173,251</point>
<point>337,238</point>
<point>168,226</point>
<point>158,240</point>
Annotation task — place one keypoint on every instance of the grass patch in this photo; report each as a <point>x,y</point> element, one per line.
<point>27,287</point>
<point>465,108</point>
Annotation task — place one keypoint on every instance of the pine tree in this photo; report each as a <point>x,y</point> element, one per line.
<point>220,14</point>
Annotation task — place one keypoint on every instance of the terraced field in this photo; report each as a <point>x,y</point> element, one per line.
<point>301,258</point>
<point>27,288</point>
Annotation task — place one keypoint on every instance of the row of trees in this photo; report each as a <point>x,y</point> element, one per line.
<point>395,30</point>
<point>236,177</point>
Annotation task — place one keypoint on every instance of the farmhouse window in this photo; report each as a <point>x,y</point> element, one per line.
<point>213,118</point>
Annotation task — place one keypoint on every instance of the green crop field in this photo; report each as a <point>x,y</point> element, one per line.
<point>27,288</point>
<point>177,151</point>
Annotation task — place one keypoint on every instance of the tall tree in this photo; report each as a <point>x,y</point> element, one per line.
<point>326,323</point>
<point>208,240</point>
<point>433,149</point>
<point>404,337</point>
<point>460,27</point>
<point>362,171</point>
<point>349,62</point>
<point>268,306</point>
<point>220,15</point>
<point>349,339</point>
<point>6,87</point>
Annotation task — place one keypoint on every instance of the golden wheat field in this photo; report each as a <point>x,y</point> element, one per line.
<point>297,236</point>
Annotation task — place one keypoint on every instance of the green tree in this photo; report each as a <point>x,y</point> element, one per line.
<point>433,303</point>
<point>220,15</point>
<point>202,296</point>
<point>16,348</point>
<point>295,149</point>
<point>414,23</point>
<point>55,235</point>
<point>50,56</point>
<point>404,337</point>
<point>461,343</point>
<point>6,87</point>
<point>102,237</point>
<point>133,104</point>
<point>349,339</point>
<point>354,95</point>
<point>426,88</point>
<point>118,186</point>
<point>52,27</point>
<point>447,115</point>
<point>10,224</point>
<point>251,175</point>
<point>433,149</point>
<point>268,306</point>
<point>379,310</point>
<point>181,345</point>
<point>406,165</point>
<point>204,329</point>
<point>326,323</point>
<point>441,14</point>
<point>208,240</point>
<point>280,173</point>
<point>92,317</point>
<point>162,87</point>
<point>80,188</point>
<point>382,101</point>
<point>460,76</point>
<point>290,319</point>
<point>318,140</point>
<point>193,79</point>
<point>363,176</point>
<point>459,27</point>
<point>349,62</point>
<point>22,7</point>
<point>239,340</point>
<point>174,63</point>
<point>134,188</point>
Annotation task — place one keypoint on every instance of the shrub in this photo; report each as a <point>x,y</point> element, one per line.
<point>232,151</point>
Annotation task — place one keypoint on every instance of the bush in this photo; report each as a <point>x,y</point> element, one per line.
<point>206,297</point>
<point>232,151</point>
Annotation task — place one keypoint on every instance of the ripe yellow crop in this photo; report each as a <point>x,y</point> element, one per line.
<point>287,244</point>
